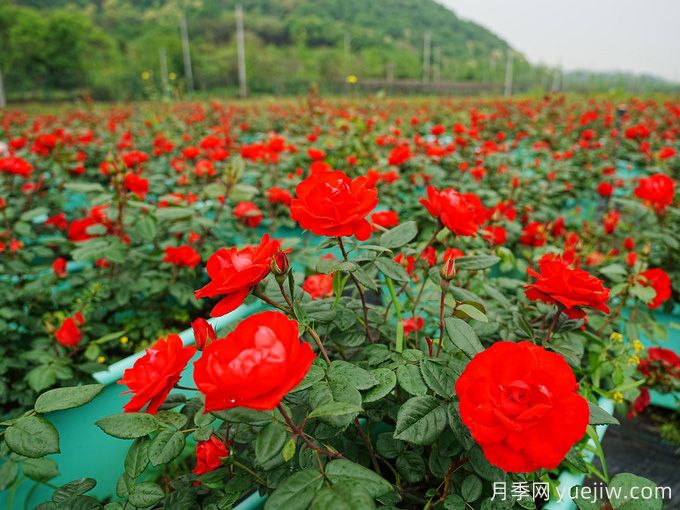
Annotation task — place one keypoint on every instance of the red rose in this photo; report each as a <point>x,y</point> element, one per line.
<point>255,365</point>
<point>153,375</point>
<point>660,282</point>
<point>183,255</point>
<point>658,190</point>
<point>521,405</point>
<point>315,154</point>
<point>571,288</point>
<point>399,155</point>
<point>277,195</point>
<point>77,230</point>
<point>69,334</point>
<point>209,455</point>
<point>605,189</point>
<point>413,324</point>
<point>59,267</point>
<point>235,272</point>
<point>136,184</point>
<point>610,221</point>
<point>318,286</point>
<point>16,166</point>
<point>329,203</point>
<point>385,219</point>
<point>533,234</point>
<point>641,403</point>
<point>248,213</point>
<point>461,213</point>
<point>452,253</point>
<point>203,331</point>
<point>494,235</point>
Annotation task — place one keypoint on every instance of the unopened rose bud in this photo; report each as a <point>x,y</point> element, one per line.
<point>646,250</point>
<point>448,270</point>
<point>280,266</point>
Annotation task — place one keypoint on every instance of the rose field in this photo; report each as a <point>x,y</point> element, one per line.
<point>336,303</point>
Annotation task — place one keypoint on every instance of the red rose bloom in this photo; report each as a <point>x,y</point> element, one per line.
<point>605,189</point>
<point>203,331</point>
<point>153,375</point>
<point>277,195</point>
<point>318,286</point>
<point>16,166</point>
<point>659,280</point>
<point>385,219</point>
<point>68,334</point>
<point>235,272</point>
<point>533,234</point>
<point>399,155</point>
<point>571,288</point>
<point>658,190</point>
<point>183,255</point>
<point>610,221</point>
<point>494,235</point>
<point>329,203</point>
<point>413,324</point>
<point>521,405</point>
<point>248,213</point>
<point>209,455</point>
<point>461,213</point>
<point>136,184</point>
<point>255,365</point>
<point>59,267</point>
<point>641,403</point>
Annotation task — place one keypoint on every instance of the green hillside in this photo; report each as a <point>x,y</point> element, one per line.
<point>105,46</point>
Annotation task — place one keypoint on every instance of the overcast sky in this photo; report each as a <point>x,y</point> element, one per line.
<point>633,35</point>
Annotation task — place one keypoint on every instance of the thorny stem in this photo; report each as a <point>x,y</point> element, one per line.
<point>297,431</point>
<point>257,477</point>
<point>553,324</point>
<point>441,321</point>
<point>312,332</point>
<point>361,291</point>
<point>369,446</point>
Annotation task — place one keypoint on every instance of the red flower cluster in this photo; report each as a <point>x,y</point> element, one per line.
<point>329,203</point>
<point>248,213</point>
<point>183,255</point>
<point>660,282</point>
<point>658,190</point>
<point>461,213</point>
<point>68,334</point>
<point>570,288</point>
<point>16,166</point>
<point>318,286</point>
<point>234,273</point>
<point>521,405</point>
<point>255,365</point>
<point>153,375</point>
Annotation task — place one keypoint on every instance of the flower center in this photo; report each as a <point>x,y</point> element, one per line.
<point>268,349</point>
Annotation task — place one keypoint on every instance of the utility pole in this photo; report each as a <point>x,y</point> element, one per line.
<point>241,50</point>
<point>437,62</point>
<point>427,45</point>
<point>3,101</point>
<point>508,74</point>
<point>163,57</point>
<point>347,44</point>
<point>389,69</point>
<point>188,73</point>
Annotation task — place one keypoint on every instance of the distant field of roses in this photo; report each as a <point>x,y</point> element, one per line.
<point>443,294</point>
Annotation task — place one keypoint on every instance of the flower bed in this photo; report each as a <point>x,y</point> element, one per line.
<point>452,288</point>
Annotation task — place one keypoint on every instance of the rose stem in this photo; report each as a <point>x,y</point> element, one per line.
<point>552,325</point>
<point>358,286</point>
<point>312,332</point>
<point>368,444</point>
<point>298,432</point>
<point>441,321</point>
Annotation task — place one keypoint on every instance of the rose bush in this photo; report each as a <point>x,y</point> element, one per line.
<point>407,360</point>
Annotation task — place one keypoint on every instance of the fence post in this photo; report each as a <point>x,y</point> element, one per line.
<point>241,51</point>
<point>508,74</point>
<point>188,72</point>
<point>427,45</point>
<point>163,57</point>
<point>3,101</point>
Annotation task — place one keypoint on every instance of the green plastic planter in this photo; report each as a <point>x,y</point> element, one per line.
<point>86,451</point>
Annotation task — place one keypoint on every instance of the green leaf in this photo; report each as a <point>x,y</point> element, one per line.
<point>269,443</point>
<point>67,398</point>
<point>172,419</point>
<point>174,213</point>
<point>334,409</point>
<point>315,374</point>
<point>631,492</point>
<point>83,187</point>
<point>420,420</point>
<point>411,380</point>
<point>463,336</point>
<point>344,471</point>
<point>599,416</point>
<point>8,473</point>
<point>472,312</point>
<point>476,262</point>
<point>644,294</point>
<point>32,436</point>
<point>471,489</point>
<point>438,377</point>
<point>167,445</point>
<point>40,470</point>
<point>454,502</point>
<point>146,494</point>
<point>348,373</point>
<point>387,380</point>
<point>411,467</point>
<point>288,451</point>
<point>73,489</point>
<point>391,269</point>
<point>399,235</point>
<point>128,425</point>
<point>137,458</point>
<point>343,496</point>
<point>295,492</point>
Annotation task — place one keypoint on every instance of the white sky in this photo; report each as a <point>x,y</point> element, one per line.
<point>641,36</point>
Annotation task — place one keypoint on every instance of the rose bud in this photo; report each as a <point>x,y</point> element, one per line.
<point>448,270</point>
